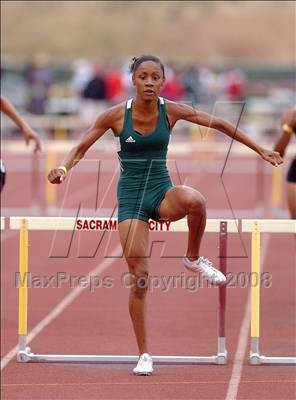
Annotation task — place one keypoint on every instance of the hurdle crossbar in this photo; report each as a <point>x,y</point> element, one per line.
<point>257,227</point>
<point>24,224</point>
<point>101,224</point>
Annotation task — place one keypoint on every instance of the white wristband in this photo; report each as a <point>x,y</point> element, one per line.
<point>63,168</point>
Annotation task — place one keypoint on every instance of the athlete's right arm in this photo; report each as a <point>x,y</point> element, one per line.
<point>107,120</point>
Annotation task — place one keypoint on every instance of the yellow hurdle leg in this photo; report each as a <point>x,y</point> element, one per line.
<point>255,288</point>
<point>60,131</point>
<point>51,190</point>
<point>23,284</point>
<point>277,187</point>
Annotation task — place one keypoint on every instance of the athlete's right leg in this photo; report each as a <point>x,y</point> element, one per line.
<point>291,186</point>
<point>134,237</point>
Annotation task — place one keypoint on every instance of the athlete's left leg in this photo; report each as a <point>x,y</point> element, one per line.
<point>183,200</point>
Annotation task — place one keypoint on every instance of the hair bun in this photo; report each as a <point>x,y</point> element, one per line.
<point>136,61</point>
<point>133,62</point>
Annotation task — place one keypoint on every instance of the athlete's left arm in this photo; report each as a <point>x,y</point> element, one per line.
<point>182,111</point>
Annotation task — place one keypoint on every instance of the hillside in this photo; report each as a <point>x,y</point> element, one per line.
<point>178,31</point>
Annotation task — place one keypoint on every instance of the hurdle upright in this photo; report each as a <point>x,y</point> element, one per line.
<point>257,227</point>
<point>25,224</point>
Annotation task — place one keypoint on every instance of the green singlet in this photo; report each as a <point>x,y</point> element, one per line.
<point>144,178</point>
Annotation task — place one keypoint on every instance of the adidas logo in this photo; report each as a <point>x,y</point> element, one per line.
<point>130,140</point>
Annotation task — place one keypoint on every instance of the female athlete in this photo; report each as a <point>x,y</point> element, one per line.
<point>145,190</point>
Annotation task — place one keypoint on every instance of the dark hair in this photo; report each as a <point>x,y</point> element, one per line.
<point>137,61</point>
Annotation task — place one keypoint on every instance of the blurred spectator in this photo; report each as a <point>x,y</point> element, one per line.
<point>114,85</point>
<point>82,72</point>
<point>94,96</point>
<point>190,80</point>
<point>38,76</point>
<point>208,86</point>
<point>173,88</point>
<point>96,88</point>
<point>235,85</point>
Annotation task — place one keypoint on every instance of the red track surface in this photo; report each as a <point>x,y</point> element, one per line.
<point>180,322</point>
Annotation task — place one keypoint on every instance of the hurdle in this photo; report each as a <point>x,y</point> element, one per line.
<point>256,228</point>
<point>25,224</point>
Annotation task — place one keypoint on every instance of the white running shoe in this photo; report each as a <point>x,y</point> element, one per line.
<point>144,366</point>
<point>205,267</point>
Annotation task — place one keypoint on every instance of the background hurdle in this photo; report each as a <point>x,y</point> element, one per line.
<point>256,227</point>
<point>47,223</point>
<point>50,190</point>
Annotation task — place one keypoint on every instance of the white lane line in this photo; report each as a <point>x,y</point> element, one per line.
<point>59,308</point>
<point>243,337</point>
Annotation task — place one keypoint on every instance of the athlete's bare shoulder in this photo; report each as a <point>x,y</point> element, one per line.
<point>177,108</point>
<point>113,113</point>
<point>176,111</point>
<point>113,117</point>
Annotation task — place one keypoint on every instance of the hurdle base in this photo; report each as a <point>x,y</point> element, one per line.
<point>28,356</point>
<point>257,359</point>
<point>24,355</point>
<point>221,358</point>
<point>222,352</point>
